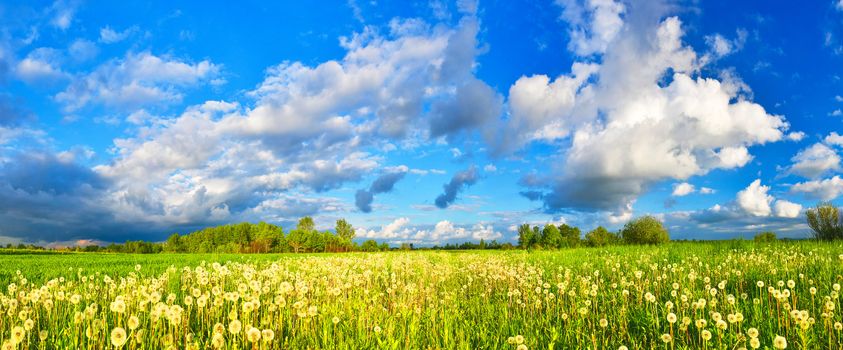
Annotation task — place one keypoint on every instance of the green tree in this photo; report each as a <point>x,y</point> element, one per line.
<point>296,239</point>
<point>551,238</point>
<point>370,246</point>
<point>306,224</point>
<point>600,237</point>
<point>645,230</point>
<point>766,236</point>
<point>825,221</point>
<point>174,244</point>
<point>570,235</point>
<point>346,234</point>
<point>525,236</point>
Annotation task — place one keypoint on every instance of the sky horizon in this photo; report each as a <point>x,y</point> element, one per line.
<point>427,122</point>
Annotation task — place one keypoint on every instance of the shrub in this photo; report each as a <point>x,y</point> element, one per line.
<point>766,236</point>
<point>645,230</point>
<point>825,221</point>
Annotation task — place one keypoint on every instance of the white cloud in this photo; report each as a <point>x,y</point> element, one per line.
<point>40,67</point>
<point>135,81</point>
<point>839,5</point>
<point>62,13</point>
<point>815,161</point>
<point>786,209</point>
<point>111,36</point>
<point>834,139</point>
<point>795,136</point>
<point>593,24</point>
<point>706,190</point>
<point>827,189</point>
<point>638,115</point>
<point>682,189</point>
<point>755,200</point>
<point>490,168</point>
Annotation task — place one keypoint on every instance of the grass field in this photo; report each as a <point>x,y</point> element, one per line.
<point>726,295</point>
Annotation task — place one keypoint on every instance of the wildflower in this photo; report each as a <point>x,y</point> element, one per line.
<point>671,317</point>
<point>235,326</point>
<point>667,338</point>
<point>118,336</point>
<point>706,335</point>
<point>780,342</point>
<point>754,343</point>
<point>17,335</point>
<point>335,320</point>
<point>253,334</point>
<point>267,335</point>
<point>378,329</point>
<point>752,332</point>
<point>519,339</point>
<point>133,322</point>
<point>603,323</point>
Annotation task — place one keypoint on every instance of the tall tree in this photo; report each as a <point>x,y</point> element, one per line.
<point>525,236</point>
<point>306,224</point>
<point>551,238</point>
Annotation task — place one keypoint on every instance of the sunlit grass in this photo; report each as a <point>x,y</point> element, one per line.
<point>677,296</point>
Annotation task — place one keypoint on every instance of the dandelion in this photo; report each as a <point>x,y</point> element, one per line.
<point>133,322</point>
<point>335,320</point>
<point>752,332</point>
<point>705,334</point>
<point>754,343</point>
<point>253,334</point>
<point>519,339</point>
<point>604,322</point>
<point>267,335</point>
<point>118,336</point>
<point>666,338</point>
<point>671,317</point>
<point>235,326</point>
<point>378,329</point>
<point>43,335</point>
<point>17,335</point>
<point>780,342</point>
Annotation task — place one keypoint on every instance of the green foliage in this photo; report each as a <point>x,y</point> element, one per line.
<point>600,237</point>
<point>766,236</point>
<point>645,230</point>
<point>570,235</point>
<point>551,238</point>
<point>526,236</point>
<point>825,222</point>
<point>370,246</point>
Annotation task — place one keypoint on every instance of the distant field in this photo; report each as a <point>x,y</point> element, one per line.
<point>724,295</point>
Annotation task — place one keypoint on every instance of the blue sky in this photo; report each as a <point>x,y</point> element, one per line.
<point>424,122</point>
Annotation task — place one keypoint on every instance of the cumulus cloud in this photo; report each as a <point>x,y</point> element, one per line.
<point>834,139</point>
<point>682,189</point>
<point>61,13</point>
<point>826,189</point>
<point>755,200</point>
<point>706,190</point>
<point>787,209</point>
<point>304,129</point>
<point>135,81</point>
<point>639,113</point>
<point>593,24</point>
<point>383,184</point>
<point>460,181</point>
<point>815,161</point>
<point>41,66</point>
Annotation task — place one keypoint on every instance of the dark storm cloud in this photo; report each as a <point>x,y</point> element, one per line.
<point>363,198</point>
<point>460,180</point>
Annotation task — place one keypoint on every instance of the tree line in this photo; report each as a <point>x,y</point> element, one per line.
<point>825,221</point>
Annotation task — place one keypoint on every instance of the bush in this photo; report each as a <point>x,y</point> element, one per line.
<point>600,237</point>
<point>766,236</point>
<point>645,230</point>
<point>825,222</point>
